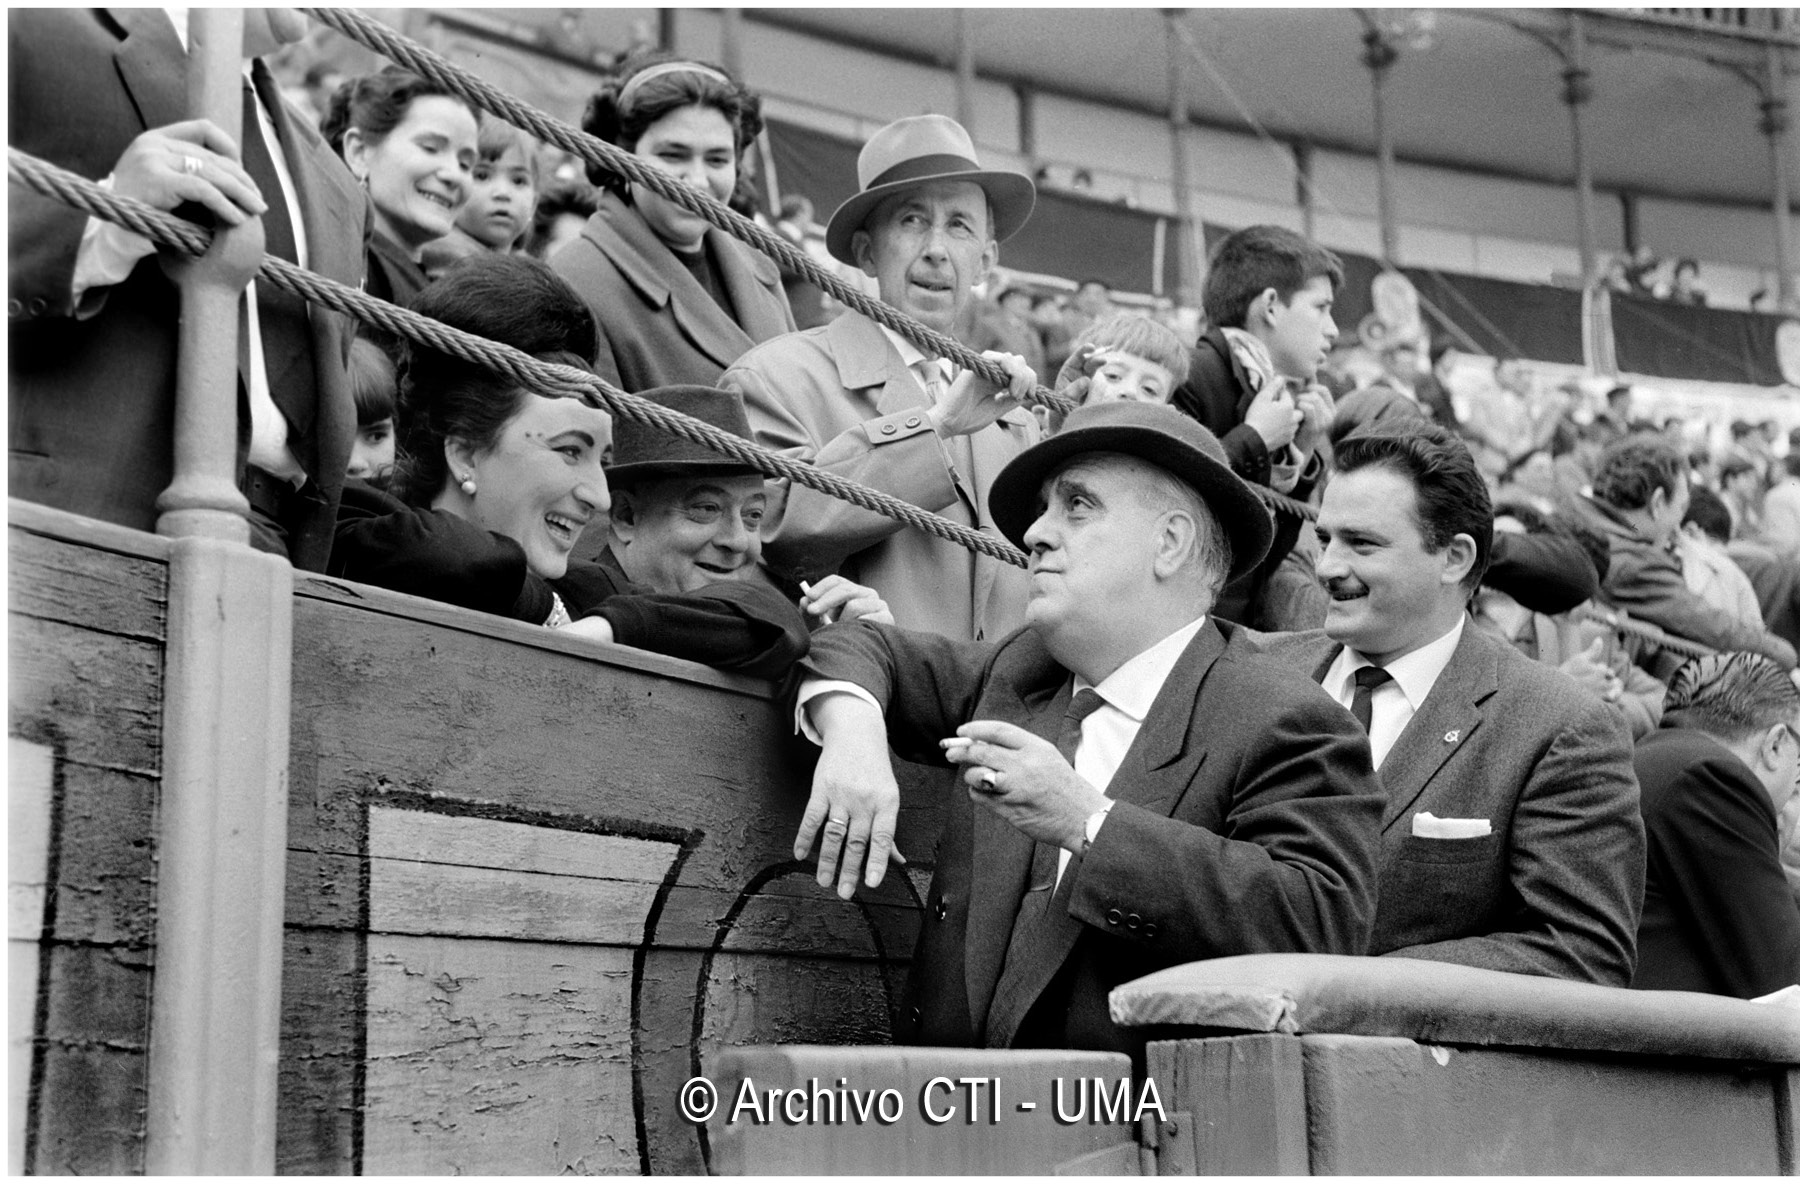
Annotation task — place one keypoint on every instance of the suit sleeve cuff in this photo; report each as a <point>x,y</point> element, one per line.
<point>106,256</point>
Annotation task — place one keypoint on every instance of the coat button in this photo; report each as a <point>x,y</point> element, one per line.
<point>916,1015</point>
<point>889,429</point>
<point>913,421</point>
<point>1149,930</point>
<point>1113,916</point>
<point>37,306</point>
<point>14,308</point>
<point>941,909</point>
<point>1133,923</point>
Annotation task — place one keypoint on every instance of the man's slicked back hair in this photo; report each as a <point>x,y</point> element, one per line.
<point>1450,497</point>
<point>1731,696</point>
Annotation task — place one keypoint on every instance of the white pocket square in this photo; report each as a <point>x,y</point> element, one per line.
<point>1428,826</point>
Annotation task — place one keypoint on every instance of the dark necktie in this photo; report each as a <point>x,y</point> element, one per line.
<point>1067,742</point>
<point>1362,703</point>
<point>282,317</point>
<point>1084,704</point>
<point>1020,958</point>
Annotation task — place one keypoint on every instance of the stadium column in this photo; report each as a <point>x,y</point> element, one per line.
<point>1597,304</point>
<point>963,73</point>
<point>216,986</point>
<point>1379,54</point>
<point>1773,121</point>
<point>1191,246</point>
<point>1577,90</point>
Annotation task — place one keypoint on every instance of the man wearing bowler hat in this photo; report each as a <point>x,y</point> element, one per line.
<point>859,400</point>
<point>1142,788</point>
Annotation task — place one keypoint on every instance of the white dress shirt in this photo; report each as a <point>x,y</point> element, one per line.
<point>908,351</point>
<point>1105,736</point>
<point>1393,703</point>
<point>108,253</point>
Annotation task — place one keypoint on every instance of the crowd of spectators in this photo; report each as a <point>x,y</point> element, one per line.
<point>1442,633</point>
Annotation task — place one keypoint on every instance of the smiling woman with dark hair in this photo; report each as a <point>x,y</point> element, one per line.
<point>412,144</point>
<point>495,484</point>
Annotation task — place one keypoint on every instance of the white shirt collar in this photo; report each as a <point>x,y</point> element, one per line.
<point>1134,685</point>
<point>1414,672</point>
<point>908,351</point>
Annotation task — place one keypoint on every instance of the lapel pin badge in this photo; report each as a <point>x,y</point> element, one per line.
<point>1450,737</point>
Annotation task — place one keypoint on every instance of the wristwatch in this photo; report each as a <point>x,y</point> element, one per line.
<point>1094,821</point>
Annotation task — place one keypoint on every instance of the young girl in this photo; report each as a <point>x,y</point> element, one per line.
<point>504,186</point>
<point>374,392</point>
<point>496,217</point>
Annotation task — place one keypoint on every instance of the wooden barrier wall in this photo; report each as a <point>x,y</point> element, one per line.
<point>533,881</point>
<point>85,630</point>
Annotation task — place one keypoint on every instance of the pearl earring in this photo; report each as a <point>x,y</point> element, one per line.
<point>468,485</point>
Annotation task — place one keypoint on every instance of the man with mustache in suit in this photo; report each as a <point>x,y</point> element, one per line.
<point>1511,838</point>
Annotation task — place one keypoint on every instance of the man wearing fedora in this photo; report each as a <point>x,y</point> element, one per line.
<point>859,400</point>
<point>1142,788</point>
<point>683,517</point>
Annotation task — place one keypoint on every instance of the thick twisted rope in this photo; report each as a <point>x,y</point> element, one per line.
<point>186,237</point>
<point>375,35</point>
<point>190,239</point>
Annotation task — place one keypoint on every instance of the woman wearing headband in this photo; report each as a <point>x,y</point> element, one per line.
<point>677,300</point>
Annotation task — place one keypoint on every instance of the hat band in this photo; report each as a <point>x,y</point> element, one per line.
<point>933,165</point>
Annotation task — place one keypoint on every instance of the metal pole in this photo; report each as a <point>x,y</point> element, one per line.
<point>1302,187</point>
<point>731,42</point>
<point>1378,55</point>
<point>1026,122</point>
<point>963,71</point>
<point>1577,90</point>
<point>1774,123</point>
<point>1190,294</point>
<point>216,989</point>
<point>1597,305</point>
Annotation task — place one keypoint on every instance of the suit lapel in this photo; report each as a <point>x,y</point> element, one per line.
<point>1442,725</point>
<point>653,271</point>
<point>1160,764</point>
<point>1154,774</point>
<point>143,61</point>
<point>327,196</point>
<point>749,278</point>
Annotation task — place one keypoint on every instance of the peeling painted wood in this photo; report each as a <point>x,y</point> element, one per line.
<point>91,1088</point>
<point>96,696</point>
<point>497,1057</point>
<point>85,627</point>
<point>320,1064</point>
<point>55,580</point>
<point>31,774</point>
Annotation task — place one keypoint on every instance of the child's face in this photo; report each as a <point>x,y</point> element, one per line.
<point>373,452</point>
<point>501,205</point>
<point>1122,375</point>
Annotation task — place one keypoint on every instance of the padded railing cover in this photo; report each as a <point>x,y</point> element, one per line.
<point>1444,1004</point>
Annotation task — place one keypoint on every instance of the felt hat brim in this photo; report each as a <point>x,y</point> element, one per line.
<point>1012,196</point>
<point>639,471</point>
<point>1156,434</point>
